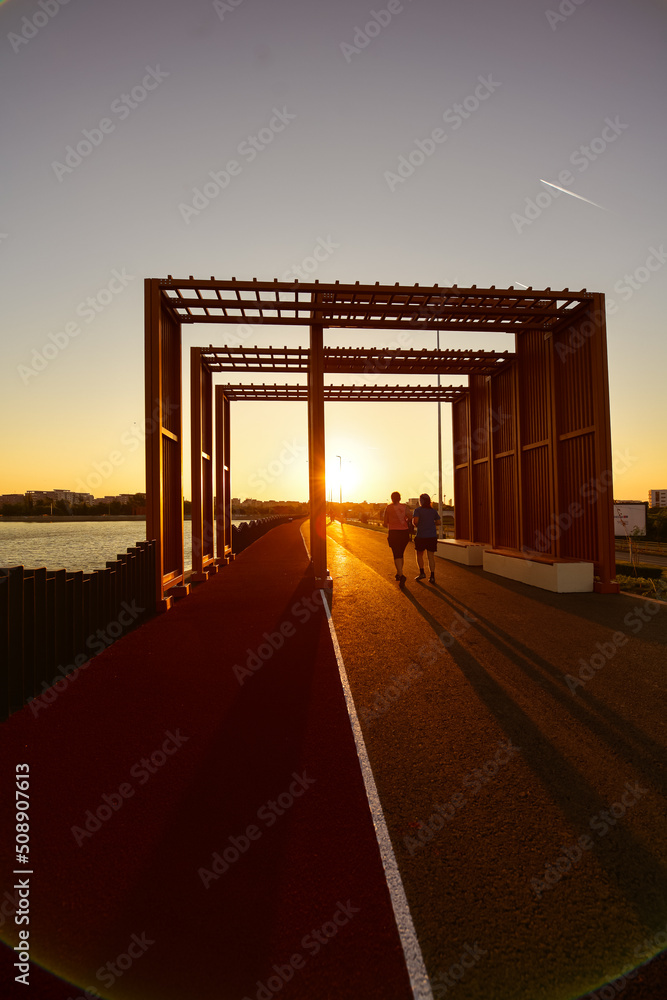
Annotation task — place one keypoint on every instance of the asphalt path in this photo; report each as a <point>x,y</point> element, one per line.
<point>527,818</point>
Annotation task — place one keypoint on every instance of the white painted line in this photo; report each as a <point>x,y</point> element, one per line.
<point>419,981</point>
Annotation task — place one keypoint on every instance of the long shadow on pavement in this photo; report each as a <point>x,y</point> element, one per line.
<point>607,724</point>
<point>603,609</point>
<point>642,878</point>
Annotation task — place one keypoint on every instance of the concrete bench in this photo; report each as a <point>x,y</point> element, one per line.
<point>460,550</point>
<point>560,575</point>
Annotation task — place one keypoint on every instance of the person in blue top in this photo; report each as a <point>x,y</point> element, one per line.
<point>426,520</point>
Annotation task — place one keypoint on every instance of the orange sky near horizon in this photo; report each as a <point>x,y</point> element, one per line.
<point>470,144</point>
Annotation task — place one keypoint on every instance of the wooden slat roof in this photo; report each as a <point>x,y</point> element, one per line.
<point>356,360</point>
<point>383,307</point>
<point>349,393</point>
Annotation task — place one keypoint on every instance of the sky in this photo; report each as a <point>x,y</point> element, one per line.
<point>114,114</point>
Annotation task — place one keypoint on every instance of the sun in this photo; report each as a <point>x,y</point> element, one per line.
<point>342,478</point>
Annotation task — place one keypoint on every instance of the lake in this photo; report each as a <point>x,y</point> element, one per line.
<point>73,545</point>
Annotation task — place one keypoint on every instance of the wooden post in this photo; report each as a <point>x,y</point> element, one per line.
<point>310,460</point>
<point>317,478</point>
<point>223,494</point>
<point>164,445</point>
<point>227,458</point>
<point>201,462</point>
<point>154,504</point>
<point>604,471</point>
<point>196,508</point>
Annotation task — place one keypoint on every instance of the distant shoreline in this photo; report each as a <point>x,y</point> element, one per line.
<point>48,518</point>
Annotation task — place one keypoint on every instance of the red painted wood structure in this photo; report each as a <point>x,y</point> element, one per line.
<point>532,444</point>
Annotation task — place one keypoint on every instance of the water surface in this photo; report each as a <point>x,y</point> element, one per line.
<point>74,545</point>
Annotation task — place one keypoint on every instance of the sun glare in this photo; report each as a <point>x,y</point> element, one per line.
<point>342,479</point>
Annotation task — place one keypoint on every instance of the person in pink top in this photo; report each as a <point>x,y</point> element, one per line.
<point>397,520</point>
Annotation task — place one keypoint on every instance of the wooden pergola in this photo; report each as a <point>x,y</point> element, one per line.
<point>531,429</point>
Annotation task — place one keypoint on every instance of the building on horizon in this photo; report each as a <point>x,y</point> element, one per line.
<point>67,496</point>
<point>118,498</point>
<point>11,498</point>
<point>657,498</point>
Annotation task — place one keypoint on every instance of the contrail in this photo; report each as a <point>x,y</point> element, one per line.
<point>573,195</point>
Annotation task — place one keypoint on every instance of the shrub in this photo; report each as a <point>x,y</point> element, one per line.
<point>645,571</point>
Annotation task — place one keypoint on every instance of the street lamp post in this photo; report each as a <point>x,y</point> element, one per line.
<point>340,478</point>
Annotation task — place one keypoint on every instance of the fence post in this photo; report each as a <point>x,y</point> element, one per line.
<point>4,643</point>
<point>30,630</point>
<point>59,617</point>
<point>15,630</point>
<point>41,633</point>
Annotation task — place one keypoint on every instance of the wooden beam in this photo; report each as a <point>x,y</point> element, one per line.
<point>606,568</point>
<point>154,419</point>
<point>318,506</point>
<point>196,467</point>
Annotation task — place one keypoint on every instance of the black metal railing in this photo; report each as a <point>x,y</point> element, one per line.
<point>53,622</point>
<point>245,534</point>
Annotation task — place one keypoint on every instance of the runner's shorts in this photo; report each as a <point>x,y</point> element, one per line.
<point>397,541</point>
<point>428,544</point>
